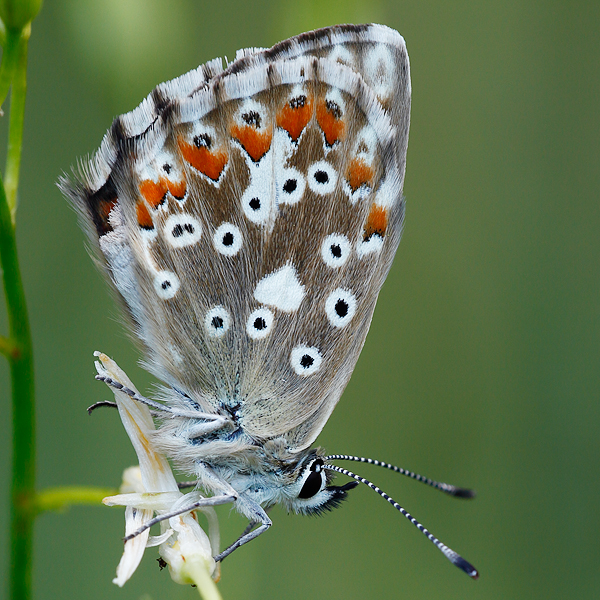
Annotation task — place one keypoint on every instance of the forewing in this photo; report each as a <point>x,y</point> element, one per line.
<point>249,217</point>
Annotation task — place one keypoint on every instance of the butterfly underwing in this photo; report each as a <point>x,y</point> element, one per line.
<point>247,216</point>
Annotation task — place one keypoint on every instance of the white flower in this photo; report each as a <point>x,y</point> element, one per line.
<point>151,488</point>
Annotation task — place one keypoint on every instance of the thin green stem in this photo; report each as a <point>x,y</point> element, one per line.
<point>63,497</point>
<point>23,411</point>
<point>21,359</point>
<point>9,61</point>
<point>197,570</point>
<point>17,117</point>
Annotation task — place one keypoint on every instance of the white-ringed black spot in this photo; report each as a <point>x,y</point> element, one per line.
<point>227,239</point>
<point>335,250</point>
<point>290,186</point>
<point>182,230</point>
<point>217,321</point>
<point>259,324</point>
<point>322,177</point>
<point>305,360</point>
<point>252,118</point>
<point>340,307</point>
<point>203,140</point>
<point>334,108</point>
<point>167,168</point>
<point>166,284</point>
<point>298,101</point>
<point>254,204</point>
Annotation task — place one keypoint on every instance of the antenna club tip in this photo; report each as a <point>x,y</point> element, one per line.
<point>464,493</point>
<point>466,566</point>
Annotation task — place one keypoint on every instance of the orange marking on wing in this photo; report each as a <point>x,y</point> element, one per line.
<point>330,122</point>
<point>359,173</point>
<point>105,206</point>
<point>143,215</point>
<point>256,144</point>
<point>202,159</point>
<point>154,192</point>
<point>177,188</point>
<point>377,222</point>
<point>103,209</point>
<point>294,116</point>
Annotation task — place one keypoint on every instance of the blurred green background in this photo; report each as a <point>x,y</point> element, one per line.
<point>482,364</point>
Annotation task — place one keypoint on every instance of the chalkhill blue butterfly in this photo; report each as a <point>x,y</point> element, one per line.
<point>247,217</point>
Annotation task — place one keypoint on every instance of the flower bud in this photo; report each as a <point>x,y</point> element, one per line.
<point>15,14</point>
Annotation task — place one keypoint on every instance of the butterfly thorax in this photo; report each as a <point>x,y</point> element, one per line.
<point>264,472</point>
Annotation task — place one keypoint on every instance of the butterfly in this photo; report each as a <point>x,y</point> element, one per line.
<point>247,216</point>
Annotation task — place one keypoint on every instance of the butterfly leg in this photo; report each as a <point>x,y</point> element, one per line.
<point>201,429</point>
<point>215,421</point>
<point>246,506</point>
<point>201,503</point>
<point>250,525</point>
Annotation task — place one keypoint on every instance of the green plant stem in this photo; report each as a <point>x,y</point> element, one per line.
<point>63,497</point>
<point>16,119</point>
<point>9,61</point>
<point>21,359</point>
<point>197,570</point>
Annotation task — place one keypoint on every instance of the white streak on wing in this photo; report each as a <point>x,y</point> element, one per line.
<point>373,244</point>
<point>261,187</point>
<point>281,289</point>
<point>388,193</point>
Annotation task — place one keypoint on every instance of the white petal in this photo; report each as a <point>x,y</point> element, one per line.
<point>157,540</point>
<point>158,501</point>
<point>134,549</point>
<point>189,545</point>
<point>156,471</point>
<point>132,480</point>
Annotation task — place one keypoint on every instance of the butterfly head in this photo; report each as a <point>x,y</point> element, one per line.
<point>314,494</point>
<point>308,490</point>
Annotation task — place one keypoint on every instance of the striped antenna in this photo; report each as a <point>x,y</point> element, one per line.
<point>453,557</point>
<point>451,490</point>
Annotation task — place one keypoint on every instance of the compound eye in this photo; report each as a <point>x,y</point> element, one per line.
<point>312,484</point>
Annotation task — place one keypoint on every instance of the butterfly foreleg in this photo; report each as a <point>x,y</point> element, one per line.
<point>201,429</point>
<point>214,421</point>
